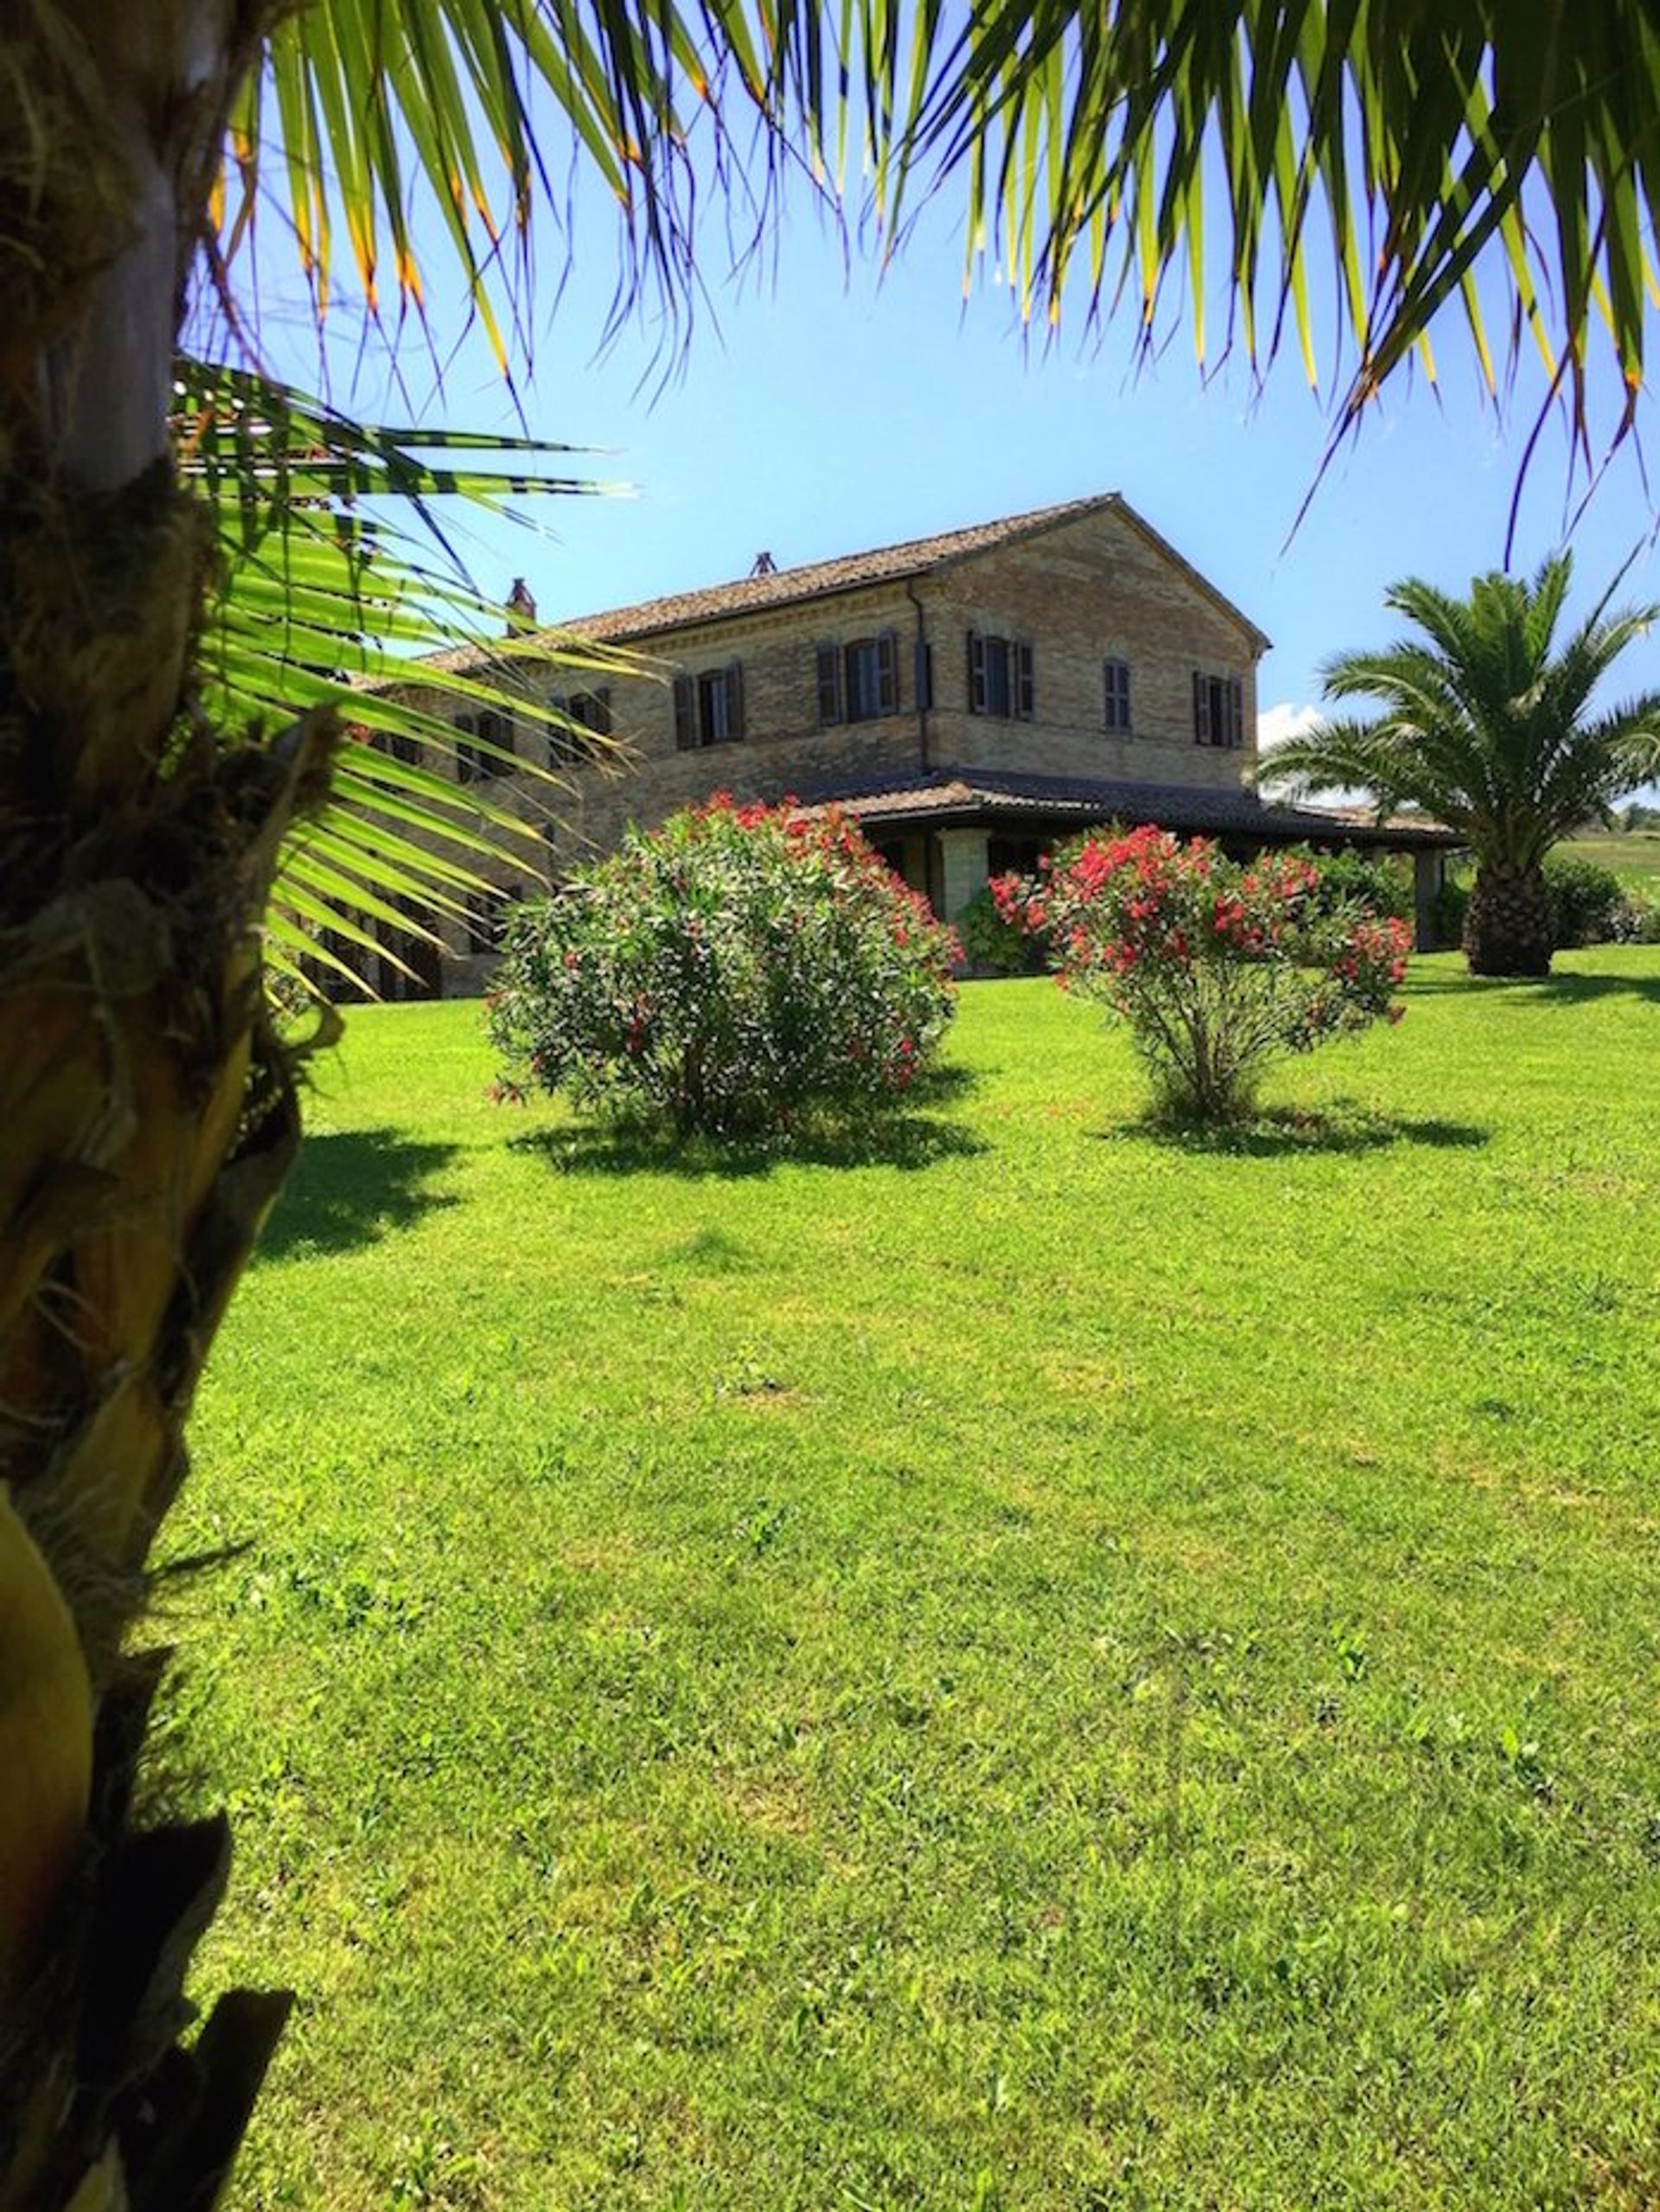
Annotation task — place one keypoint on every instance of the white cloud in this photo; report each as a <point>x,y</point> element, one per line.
<point>1279,722</point>
<point>1276,723</point>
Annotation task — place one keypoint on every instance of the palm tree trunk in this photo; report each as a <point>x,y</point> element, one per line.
<point>1507,924</point>
<point>147,1116</point>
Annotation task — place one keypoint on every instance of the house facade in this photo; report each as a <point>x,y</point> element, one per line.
<point>969,697</point>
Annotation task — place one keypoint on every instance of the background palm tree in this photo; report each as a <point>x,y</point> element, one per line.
<point>1487,725</point>
<point>147,1107</point>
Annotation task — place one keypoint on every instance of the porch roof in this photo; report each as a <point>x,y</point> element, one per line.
<point>1015,800</point>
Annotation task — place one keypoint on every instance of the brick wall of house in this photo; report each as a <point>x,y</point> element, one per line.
<point>783,748</point>
<point>1093,588</point>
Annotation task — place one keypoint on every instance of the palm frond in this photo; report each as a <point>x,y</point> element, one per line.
<point>338,578</point>
<point>1488,725</point>
<point>1100,148</point>
<point>1383,758</point>
<point>1520,141</point>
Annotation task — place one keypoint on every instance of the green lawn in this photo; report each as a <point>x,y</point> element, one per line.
<point>1052,1668</point>
<point>1635,853</point>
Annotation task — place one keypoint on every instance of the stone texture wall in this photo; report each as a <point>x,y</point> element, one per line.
<point>783,748</point>
<point>1093,589</point>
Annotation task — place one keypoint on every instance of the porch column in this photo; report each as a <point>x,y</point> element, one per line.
<point>1428,874</point>
<point>962,869</point>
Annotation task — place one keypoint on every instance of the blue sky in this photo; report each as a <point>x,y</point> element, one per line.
<point>823,410</point>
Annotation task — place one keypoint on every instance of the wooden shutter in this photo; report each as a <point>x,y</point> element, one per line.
<point>1022,686</point>
<point>1119,716</point>
<point>685,715</point>
<point>1201,710</point>
<point>496,731</point>
<point>1236,712</point>
<point>976,673</point>
<point>829,660</point>
<point>734,698</point>
<point>887,673</point>
<point>923,675</point>
<point>559,746</point>
<point>466,754</point>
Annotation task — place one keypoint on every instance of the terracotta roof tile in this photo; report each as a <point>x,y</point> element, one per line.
<point>786,587</point>
<point>820,579</point>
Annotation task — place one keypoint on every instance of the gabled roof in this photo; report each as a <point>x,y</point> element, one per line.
<point>822,579</point>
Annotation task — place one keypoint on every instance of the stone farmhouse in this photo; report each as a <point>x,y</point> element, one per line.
<point>970,698</point>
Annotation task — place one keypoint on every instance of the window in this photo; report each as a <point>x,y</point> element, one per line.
<point>860,681</point>
<point>481,741</point>
<point>1218,711</point>
<point>708,707</point>
<point>397,745</point>
<point>999,677</point>
<point>584,711</point>
<point>1117,673</point>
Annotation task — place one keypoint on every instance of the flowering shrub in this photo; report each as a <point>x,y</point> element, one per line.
<point>1216,967</point>
<point>733,971</point>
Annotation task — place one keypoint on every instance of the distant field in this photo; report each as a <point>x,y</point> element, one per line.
<point>1635,853</point>
<point>1036,1668</point>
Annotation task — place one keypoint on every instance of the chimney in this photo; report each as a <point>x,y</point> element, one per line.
<point>521,608</point>
<point>764,565</point>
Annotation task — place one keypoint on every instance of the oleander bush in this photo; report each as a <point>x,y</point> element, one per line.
<point>735,973</point>
<point>1217,968</point>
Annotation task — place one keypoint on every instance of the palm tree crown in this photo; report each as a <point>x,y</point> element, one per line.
<point>1483,726</point>
<point>1486,724</point>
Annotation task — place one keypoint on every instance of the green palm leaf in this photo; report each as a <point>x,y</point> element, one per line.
<point>337,572</point>
<point>1098,147</point>
<point>1489,725</point>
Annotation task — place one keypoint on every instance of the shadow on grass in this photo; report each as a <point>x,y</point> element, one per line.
<point>911,1141</point>
<point>907,1139</point>
<point>350,1189</point>
<point>1281,1132</point>
<point>1530,990</point>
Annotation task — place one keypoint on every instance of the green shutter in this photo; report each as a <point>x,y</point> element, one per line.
<point>560,747</point>
<point>887,673</point>
<point>734,698</point>
<point>976,673</point>
<point>829,664</point>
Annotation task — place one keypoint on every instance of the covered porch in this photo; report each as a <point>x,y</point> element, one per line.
<point>951,832</point>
